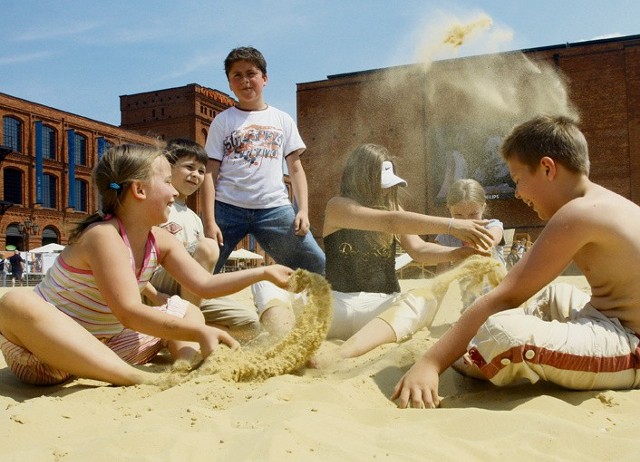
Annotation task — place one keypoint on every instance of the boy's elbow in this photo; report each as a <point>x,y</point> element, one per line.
<point>500,300</point>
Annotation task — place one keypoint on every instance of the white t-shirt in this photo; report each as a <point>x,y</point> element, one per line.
<point>185,225</point>
<point>251,147</point>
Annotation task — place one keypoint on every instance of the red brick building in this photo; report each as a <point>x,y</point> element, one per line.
<point>46,170</point>
<point>404,110</point>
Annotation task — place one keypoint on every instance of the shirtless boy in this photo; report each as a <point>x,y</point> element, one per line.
<point>595,343</point>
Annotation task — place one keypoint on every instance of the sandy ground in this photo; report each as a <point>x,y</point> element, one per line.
<point>338,413</point>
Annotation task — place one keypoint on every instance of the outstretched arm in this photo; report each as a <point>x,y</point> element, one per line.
<point>346,213</point>
<point>435,254</point>
<point>192,276</point>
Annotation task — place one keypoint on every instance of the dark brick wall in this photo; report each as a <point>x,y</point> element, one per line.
<point>386,106</point>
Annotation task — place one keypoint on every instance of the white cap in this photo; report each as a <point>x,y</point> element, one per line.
<point>389,178</point>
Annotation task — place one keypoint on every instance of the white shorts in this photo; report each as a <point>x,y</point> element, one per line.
<point>406,313</point>
<point>558,337</point>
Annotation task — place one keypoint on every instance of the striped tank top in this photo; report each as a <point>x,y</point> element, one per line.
<point>74,291</point>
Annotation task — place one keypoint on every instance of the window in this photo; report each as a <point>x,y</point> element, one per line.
<point>49,185</point>
<point>80,150</point>
<point>48,143</point>
<point>12,133</point>
<point>50,236</point>
<point>13,185</point>
<point>81,196</point>
<point>101,146</point>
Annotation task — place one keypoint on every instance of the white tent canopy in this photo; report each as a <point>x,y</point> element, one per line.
<point>244,254</point>
<point>53,247</point>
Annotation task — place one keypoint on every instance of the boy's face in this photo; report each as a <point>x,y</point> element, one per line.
<point>187,175</point>
<point>531,187</point>
<point>246,82</point>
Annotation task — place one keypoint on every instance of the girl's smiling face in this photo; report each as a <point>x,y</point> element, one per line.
<point>159,189</point>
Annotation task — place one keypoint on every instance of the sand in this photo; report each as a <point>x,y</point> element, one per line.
<point>340,412</point>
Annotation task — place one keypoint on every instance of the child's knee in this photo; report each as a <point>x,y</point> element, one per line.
<point>207,253</point>
<point>409,314</point>
<point>19,303</point>
<point>501,336</point>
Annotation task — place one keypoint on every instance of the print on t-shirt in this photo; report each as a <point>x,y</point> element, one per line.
<point>253,143</point>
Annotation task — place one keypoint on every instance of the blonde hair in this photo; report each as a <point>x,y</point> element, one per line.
<point>466,190</point>
<point>362,182</point>
<point>361,178</point>
<point>116,170</point>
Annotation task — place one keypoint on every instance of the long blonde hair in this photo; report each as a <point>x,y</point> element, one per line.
<point>117,169</point>
<point>361,182</point>
<point>361,178</point>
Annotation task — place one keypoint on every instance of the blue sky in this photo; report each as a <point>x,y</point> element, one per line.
<point>80,56</point>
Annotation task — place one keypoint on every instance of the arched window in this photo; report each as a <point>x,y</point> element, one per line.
<point>12,133</point>
<point>48,143</point>
<point>49,191</point>
<point>13,189</point>
<point>13,237</point>
<point>50,235</point>
<point>81,196</point>
<point>80,149</point>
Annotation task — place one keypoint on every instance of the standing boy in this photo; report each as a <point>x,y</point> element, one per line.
<point>243,191</point>
<point>567,337</point>
<point>188,160</point>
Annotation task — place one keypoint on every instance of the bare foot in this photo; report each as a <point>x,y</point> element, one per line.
<point>466,367</point>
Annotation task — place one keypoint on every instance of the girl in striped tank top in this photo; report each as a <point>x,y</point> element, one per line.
<point>86,318</point>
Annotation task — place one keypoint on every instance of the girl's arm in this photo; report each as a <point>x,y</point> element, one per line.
<point>189,274</point>
<point>497,234</point>
<point>435,254</point>
<point>156,297</point>
<point>343,213</point>
<point>102,250</point>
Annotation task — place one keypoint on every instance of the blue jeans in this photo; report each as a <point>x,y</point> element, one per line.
<point>273,229</point>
